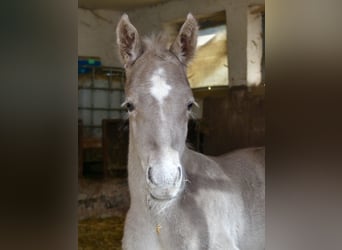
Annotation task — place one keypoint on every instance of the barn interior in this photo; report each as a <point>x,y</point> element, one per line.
<point>226,76</point>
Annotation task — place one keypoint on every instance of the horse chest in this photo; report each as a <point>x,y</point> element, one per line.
<point>170,238</point>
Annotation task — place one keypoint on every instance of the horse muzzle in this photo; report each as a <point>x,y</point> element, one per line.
<point>164,184</point>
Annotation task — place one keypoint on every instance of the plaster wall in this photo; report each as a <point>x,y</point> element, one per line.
<point>155,18</point>
<point>96,35</point>
<point>96,29</point>
<point>254,47</point>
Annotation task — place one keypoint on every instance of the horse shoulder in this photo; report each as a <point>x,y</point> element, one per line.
<point>236,181</point>
<point>216,194</point>
<point>247,168</point>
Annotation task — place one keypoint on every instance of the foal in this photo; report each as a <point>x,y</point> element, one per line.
<point>181,199</point>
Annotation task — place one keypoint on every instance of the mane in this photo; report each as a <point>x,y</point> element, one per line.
<point>158,44</point>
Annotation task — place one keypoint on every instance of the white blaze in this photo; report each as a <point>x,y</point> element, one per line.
<point>159,89</point>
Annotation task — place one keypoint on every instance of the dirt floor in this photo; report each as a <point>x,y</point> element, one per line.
<point>102,206</point>
<point>100,234</point>
<point>102,198</point>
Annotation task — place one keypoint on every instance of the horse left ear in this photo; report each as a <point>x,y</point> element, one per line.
<point>185,44</point>
<point>128,41</point>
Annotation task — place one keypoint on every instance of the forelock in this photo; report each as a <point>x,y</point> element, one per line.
<point>158,44</point>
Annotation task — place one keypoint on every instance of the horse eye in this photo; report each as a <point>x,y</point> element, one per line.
<point>190,104</point>
<point>129,106</point>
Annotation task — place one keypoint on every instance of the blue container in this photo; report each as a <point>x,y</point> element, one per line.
<point>86,63</point>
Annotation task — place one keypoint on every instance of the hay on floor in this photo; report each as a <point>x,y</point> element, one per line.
<point>98,233</point>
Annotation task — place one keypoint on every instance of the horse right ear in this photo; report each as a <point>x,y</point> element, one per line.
<point>128,41</point>
<point>184,46</point>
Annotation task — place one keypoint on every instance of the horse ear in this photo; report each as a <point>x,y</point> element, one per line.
<point>128,41</point>
<point>185,44</point>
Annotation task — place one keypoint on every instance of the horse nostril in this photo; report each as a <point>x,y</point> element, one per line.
<point>149,175</point>
<point>179,173</point>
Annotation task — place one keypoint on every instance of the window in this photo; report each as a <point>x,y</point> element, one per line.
<point>210,65</point>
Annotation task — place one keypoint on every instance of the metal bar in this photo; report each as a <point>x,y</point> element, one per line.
<point>113,73</point>
<point>212,88</point>
<point>109,92</point>
<point>116,69</point>
<point>92,97</point>
<point>99,88</point>
<point>91,126</point>
<point>122,82</point>
<point>103,109</point>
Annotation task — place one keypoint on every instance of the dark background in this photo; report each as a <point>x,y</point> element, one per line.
<point>38,131</point>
